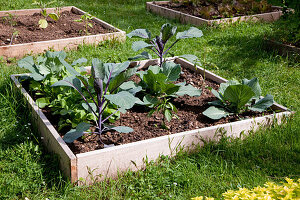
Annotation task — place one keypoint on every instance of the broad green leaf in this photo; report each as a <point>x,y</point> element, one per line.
<point>142,33</point>
<point>140,45</point>
<point>150,100</point>
<point>238,95</point>
<point>263,104</point>
<point>144,55</point>
<point>169,88</point>
<point>215,113</point>
<point>123,99</point>
<point>121,78</point>
<point>43,102</point>
<point>43,23</point>
<point>216,103</point>
<point>122,129</point>
<point>191,58</point>
<point>223,86</point>
<point>191,33</point>
<point>217,94</point>
<point>118,68</point>
<point>79,61</point>
<point>253,83</point>
<point>168,115</point>
<point>53,16</point>
<point>171,70</point>
<point>155,82</point>
<point>189,90</point>
<point>69,68</point>
<point>167,31</point>
<point>98,70</point>
<point>155,69</point>
<point>86,107</point>
<point>131,87</point>
<point>70,81</point>
<point>73,134</point>
<point>28,63</point>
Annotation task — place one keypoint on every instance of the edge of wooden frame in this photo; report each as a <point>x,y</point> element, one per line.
<point>50,137</point>
<point>20,50</point>
<point>155,7</point>
<point>283,49</point>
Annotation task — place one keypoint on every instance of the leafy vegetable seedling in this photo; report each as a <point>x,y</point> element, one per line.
<point>105,81</point>
<point>158,85</point>
<point>85,19</point>
<point>158,44</point>
<point>235,98</point>
<point>55,16</point>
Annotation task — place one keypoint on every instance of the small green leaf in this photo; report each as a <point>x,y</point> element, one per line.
<point>123,99</point>
<point>53,16</point>
<point>43,102</point>
<point>215,113</point>
<point>167,31</point>
<point>43,23</point>
<point>189,90</point>
<point>168,115</point>
<point>144,55</point>
<point>122,129</point>
<point>86,107</point>
<point>142,33</point>
<point>73,134</point>
<point>150,100</point>
<point>171,70</point>
<point>140,45</point>
<point>263,104</point>
<point>98,70</point>
<point>191,33</point>
<point>253,83</point>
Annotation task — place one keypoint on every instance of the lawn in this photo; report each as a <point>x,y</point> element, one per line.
<point>234,51</point>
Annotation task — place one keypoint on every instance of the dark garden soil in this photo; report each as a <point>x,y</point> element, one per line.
<point>28,30</point>
<point>211,11</point>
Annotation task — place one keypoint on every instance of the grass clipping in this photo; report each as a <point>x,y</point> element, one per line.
<point>286,190</point>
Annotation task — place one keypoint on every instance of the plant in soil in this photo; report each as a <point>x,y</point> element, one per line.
<point>85,19</point>
<point>158,44</point>
<point>235,98</point>
<point>55,16</point>
<point>159,89</point>
<point>47,70</point>
<point>10,19</point>
<point>105,80</point>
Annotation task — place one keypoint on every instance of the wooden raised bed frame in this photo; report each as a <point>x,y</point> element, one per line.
<point>110,161</point>
<point>283,49</point>
<point>155,7</point>
<point>20,50</point>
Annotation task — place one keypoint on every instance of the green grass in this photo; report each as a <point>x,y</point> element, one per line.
<point>237,51</point>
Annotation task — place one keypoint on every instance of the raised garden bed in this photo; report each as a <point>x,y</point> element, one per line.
<point>162,8</point>
<point>110,161</point>
<point>283,49</point>
<point>64,33</point>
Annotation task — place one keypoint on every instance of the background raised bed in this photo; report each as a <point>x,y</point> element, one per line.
<point>19,50</point>
<point>190,19</point>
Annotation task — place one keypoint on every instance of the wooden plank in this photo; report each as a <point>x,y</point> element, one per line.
<point>31,11</point>
<point>51,138</point>
<point>112,161</point>
<point>156,7</point>
<point>20,50</point>
<point>283,49</point>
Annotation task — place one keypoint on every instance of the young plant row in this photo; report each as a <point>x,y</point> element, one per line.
<point>104,90</point>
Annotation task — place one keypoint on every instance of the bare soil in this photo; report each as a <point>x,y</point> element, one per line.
<point>28,30</point>
<point>211,11</point>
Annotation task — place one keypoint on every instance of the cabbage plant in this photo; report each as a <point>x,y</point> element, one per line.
<point>235,98</point>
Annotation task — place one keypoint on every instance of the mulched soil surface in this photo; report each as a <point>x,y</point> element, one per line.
<point>192,10</point>
<point>29,30</point>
